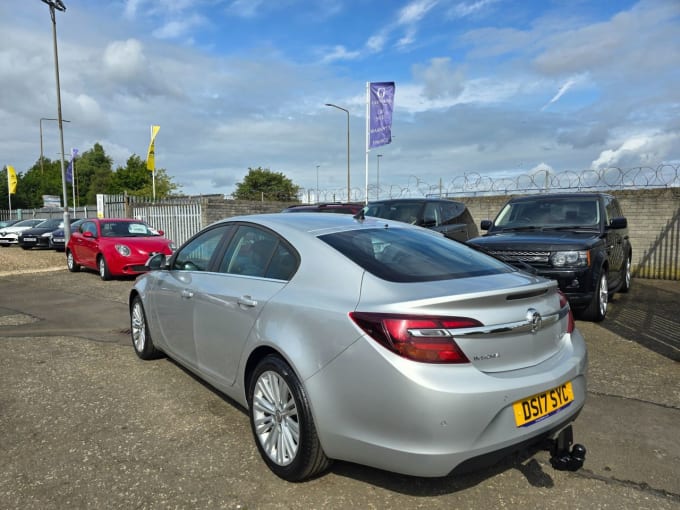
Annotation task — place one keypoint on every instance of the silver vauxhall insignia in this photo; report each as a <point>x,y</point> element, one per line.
<point>364,340</point>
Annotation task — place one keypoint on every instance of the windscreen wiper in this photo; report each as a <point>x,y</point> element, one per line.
<point>520,229</point>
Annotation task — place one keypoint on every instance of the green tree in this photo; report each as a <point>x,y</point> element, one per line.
<point>93,174</point>
<point>263,183</point>
<point>135,179</point>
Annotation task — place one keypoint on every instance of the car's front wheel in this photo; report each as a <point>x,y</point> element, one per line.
<point>104,272</point>
<point>139,330</point>
<point>282,423</point>
<point>597,308</point>
<point>71,263</point>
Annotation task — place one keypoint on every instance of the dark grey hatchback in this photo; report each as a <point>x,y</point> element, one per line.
<point>448,217</point>
<point>579,239</point>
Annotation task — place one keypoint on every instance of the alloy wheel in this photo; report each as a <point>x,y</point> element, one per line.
<point>138,327</point>
<point>603,295</point>
<point>275,417</point>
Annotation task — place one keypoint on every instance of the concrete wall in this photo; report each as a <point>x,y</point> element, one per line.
<point>653,225</point>
<point>215,209</point>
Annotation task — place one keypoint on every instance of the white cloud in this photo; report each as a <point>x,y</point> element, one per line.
<point>440,80</point>
<point>415,11</point>
<point>124,59</point>
<point>244,8</point>
<point>562,90</point>
<point>339,53</point>
<point>464,9</point>
<point>376,43</point>
<point>638,150</point>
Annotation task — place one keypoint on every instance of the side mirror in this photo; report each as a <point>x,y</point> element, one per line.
<point>156,261</point>
<point>620,222</point>
<point>486,224</point>
<point>88,234</point>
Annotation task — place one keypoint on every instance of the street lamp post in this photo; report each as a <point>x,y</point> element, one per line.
<point>41,140</point>
<point>317,183</point>
<point>377,185</point>
<point>59,6</point>
<point>348,179</point>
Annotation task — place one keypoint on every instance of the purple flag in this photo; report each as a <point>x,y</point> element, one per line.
<point>69,169</point>
<point>381,106</point>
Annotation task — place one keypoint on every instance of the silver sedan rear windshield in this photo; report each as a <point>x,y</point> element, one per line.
<point>409,255</point>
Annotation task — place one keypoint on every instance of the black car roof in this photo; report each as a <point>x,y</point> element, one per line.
<point>413,200</point>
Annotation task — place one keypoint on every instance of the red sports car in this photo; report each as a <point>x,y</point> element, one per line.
<point>115,246</point>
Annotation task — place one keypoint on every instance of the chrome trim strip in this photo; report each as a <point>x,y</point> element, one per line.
<point>514,327</point>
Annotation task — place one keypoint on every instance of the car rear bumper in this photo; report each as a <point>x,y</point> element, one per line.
<point>411,422</point>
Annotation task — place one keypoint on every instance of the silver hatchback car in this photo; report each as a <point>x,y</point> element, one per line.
<point>365,340</point>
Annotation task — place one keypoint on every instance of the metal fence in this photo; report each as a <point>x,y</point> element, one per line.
<point>542,180</point>
<point>178,218</point>
<point>47,213</point>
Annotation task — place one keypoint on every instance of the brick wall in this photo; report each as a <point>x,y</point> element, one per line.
<point>653,225</point>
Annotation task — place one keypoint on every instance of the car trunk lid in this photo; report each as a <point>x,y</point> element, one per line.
<point>522,319</point>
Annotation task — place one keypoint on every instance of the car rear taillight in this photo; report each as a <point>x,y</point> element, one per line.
<point>565,302</point>
<point>426,339</point>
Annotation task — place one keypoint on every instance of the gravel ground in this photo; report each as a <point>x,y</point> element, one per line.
<point>14,260</point>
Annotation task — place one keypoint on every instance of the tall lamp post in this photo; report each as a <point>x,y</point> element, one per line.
<point>377,185</point>
<point>59,6</point>
<point>347,112</point>
<point>41,140</point>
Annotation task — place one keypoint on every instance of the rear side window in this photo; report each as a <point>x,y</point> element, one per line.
<point>406,212</point>
<point>256,252</point>
<point>404,255</point>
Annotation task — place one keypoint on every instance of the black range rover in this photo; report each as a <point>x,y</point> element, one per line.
<point>579,239</point>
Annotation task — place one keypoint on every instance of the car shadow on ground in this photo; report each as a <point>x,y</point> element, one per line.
<point>523,461</point>
<point>648,315</point>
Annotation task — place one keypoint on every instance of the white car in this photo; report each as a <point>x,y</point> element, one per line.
<point>10,235</point>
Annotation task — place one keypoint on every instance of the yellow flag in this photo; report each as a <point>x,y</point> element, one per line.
<point>11,180</point>
<point>150,156</point>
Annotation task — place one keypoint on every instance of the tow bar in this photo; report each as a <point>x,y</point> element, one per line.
<point>563,456</point>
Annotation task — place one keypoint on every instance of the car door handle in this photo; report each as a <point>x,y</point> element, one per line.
<point>247,301</point>
<point>187,294</point>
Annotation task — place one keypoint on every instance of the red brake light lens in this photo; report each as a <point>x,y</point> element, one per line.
<point>565,302</point>
<point>424,339</point>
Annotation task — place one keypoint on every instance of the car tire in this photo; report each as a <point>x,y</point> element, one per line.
<point>282,423</point>
<point>25,247</point>
<point>597,308</point>
<point>104,272</point>
<point>71,263</point>
<point>139,332</point>
<point>626,276</point>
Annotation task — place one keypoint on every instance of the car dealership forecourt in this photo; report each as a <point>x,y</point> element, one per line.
<point>87,424</point>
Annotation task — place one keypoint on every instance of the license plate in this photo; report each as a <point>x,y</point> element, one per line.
<point>29,239</point>
<point>538,407</point>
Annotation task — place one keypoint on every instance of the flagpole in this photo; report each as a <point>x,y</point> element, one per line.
<point>9,190</point>
<point>153,172</point>
<point>73,181</point>
<point>368,127</point>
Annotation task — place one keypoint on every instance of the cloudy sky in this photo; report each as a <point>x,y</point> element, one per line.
<point>493,87</point>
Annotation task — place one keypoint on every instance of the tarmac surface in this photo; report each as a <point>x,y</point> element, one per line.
<point>85,424</point>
